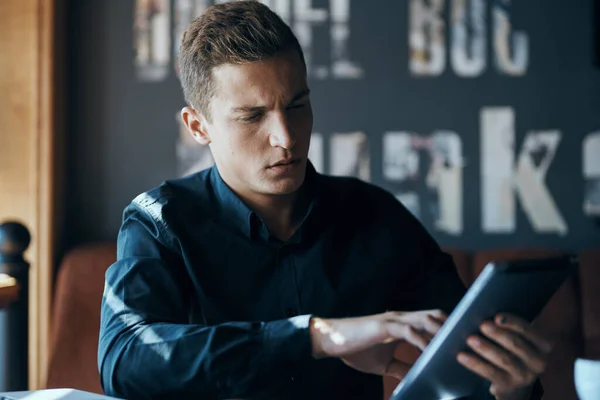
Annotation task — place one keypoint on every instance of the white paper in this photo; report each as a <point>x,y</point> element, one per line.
<point>49,394</point>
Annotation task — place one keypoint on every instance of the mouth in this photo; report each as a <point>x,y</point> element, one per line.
<point>285,163</point>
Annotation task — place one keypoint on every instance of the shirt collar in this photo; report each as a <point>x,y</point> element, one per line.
<point>234,213</point>
<point>232,210</point>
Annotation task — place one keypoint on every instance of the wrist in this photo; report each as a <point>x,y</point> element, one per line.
<point>317,337</point>
<point>519,394</point>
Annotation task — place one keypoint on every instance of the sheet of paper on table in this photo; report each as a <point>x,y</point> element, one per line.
<point>9,291</point>
<point>54,394</point>
<point>7,281</point>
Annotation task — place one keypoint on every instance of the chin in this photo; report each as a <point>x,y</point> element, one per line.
<point>282,182</point>
<point>285,186</point>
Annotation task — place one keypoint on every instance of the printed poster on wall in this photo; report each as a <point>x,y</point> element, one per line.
<point>447,42</point>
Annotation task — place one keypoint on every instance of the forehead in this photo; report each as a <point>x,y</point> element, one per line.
<point>268,81</point>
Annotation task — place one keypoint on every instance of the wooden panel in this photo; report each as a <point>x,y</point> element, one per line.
<point>27,149</point>
<point>17,75</point>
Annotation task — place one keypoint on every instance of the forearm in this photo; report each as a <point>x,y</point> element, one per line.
<point>531,392</point>
<point>232,360</point>
<point>520,394</point>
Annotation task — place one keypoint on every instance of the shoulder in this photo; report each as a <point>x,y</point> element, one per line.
<point>357,206</point>
<point>359,198</point>
<point>162,204</point>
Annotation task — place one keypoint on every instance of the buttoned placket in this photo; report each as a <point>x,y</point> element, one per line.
<point>290,296</point>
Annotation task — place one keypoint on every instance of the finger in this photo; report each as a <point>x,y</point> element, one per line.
<point>428,336</point>
<point>397,369</point>
<point>416,318</point>
<point>524,328</point>
<point>416,338</point>
<point>438,315</point>
<point>432,325</point>
<point>483,368</point>
<point>498,357</point>
<point>517,345</point>
<point>407,332</point>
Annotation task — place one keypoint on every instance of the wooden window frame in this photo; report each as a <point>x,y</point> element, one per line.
<point>32,145</point>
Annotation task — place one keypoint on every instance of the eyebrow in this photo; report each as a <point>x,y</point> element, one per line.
<point>297,96</point>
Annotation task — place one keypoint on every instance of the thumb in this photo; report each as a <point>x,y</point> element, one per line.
<point>397,369</point>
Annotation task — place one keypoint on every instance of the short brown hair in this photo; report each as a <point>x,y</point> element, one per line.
<point>237,32</point>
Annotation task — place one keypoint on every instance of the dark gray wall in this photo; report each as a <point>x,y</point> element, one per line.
<point>122,132</point>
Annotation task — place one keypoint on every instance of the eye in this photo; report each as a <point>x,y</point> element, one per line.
<point>300,105</point>
<point>252,118</point>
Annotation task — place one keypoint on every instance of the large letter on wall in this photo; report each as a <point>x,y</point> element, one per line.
<point>184,13</point>
<point>401,159</point>
<point>401,164</point>
<point>316,154</point>
<point>427,57</point>
<point>445,176</point>
<point>305,17</point>
<point>151,39</point>
<point>468,50</point>
<point>591,174</point>
<point>500,179</point>
<point>350,155</point>
<point>281,7</point>
<point>510,61</point>
<point>497,163</point>
<point>342,67</point>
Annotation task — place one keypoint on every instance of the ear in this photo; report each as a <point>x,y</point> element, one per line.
<point>196,125</point>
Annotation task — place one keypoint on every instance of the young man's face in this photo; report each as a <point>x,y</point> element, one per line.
<point>261,125</point>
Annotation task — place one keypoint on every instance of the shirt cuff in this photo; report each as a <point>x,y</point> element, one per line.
<point>537,393</point>
<point>288,342</point>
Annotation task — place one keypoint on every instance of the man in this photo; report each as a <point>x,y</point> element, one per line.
<point>260,278</point>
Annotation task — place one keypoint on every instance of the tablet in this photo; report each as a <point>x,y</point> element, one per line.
<point>518,287</point>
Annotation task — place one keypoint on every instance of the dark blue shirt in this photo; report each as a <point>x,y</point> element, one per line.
<point>204,303</point>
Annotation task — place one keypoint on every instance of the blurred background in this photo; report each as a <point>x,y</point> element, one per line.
<point>481,116</point>
<point>477,114</point>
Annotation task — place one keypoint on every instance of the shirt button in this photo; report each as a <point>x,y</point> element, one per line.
<point>291,312</point>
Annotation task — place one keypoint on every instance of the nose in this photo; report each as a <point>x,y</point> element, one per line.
<point>281,134</point>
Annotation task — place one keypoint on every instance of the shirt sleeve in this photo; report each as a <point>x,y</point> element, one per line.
<point>147,348</point>
<point>437,285</point>
<point>537,392</point>
<point>428,275</point>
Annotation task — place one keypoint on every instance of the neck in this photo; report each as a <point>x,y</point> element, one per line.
<point>281,213</point>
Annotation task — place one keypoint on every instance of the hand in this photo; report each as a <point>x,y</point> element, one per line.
<point>512,356</point>
<point>368,343</point>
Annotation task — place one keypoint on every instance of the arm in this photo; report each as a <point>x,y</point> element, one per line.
<point>429,280</point>
<point>437,285</point>
<point>147,348</point>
